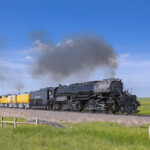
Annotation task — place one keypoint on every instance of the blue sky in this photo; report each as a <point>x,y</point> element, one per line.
<point>125,24</point>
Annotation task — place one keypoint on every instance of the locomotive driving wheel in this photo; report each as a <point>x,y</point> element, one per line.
<point>121,110</point>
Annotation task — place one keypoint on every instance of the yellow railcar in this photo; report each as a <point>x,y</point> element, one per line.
<point>23,99</point>
<point>0,99</point>
<point>12,99</point>
<point>3,100</point>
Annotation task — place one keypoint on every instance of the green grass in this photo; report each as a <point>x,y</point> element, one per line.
<point>12,119</point>
<point>81,136</point>
<point>145,106</point>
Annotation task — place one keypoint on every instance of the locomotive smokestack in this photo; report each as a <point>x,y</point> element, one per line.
<point>76,56</point>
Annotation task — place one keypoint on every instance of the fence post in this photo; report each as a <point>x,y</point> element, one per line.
<point>15,120</point>
<point>149,132</point>
<point>37,122</point>
<point>1,121</point>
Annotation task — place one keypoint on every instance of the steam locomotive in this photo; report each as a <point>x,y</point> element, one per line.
<point>105,96</point>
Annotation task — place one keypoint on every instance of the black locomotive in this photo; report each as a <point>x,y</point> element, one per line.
<point>105,96</point>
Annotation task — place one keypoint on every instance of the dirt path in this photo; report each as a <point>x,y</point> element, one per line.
<point>73,117</point>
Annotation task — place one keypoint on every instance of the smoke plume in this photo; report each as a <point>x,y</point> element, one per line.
<point>76,56</point>
<point>9,77</point>
<point>18,84</point>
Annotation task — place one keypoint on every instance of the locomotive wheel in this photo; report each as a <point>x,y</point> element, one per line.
<point>121,110</point>
<point>111,112</point>
<point>106,111</point>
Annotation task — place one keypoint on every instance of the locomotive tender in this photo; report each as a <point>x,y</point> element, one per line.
<point>105,96</point>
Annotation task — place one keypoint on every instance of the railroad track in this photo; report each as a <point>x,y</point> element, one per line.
<point>45,110</point>
<point>75,117</point>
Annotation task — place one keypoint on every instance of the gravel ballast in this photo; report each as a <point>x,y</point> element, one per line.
<point>73,117</point>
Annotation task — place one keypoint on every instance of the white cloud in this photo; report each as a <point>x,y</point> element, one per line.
<point>29,58</point>
<point>136,64</point>
<point>124,55</point>
<point>67,42</point>
<point>135,75</point>
<point>38,46</point>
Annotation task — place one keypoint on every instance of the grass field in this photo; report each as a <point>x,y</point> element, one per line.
<point>81,136</point>
<point>145,106</point>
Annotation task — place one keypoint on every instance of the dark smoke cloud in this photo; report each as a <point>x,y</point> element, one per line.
<point>76,56</point>
<point>7,77</point>
<point>18,84</point>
